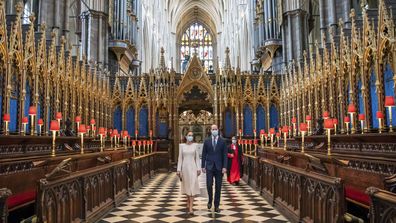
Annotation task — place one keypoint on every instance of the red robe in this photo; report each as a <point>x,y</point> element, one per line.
<point>235,174</point>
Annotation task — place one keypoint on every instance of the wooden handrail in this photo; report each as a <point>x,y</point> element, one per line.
<point>383,205</point>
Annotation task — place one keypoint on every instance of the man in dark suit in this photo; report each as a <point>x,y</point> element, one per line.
<point>214,164</point>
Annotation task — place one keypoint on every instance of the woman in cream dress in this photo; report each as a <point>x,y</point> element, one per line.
<point>188,169</point>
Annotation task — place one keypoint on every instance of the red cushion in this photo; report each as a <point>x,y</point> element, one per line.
<point>21,198</point>
<point>357,195</point>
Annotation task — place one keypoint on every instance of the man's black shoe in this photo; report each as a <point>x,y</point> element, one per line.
<point>217,210</point>
<point>209,205</point>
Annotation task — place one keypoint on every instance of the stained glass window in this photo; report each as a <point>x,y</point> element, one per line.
<point>196,39</point>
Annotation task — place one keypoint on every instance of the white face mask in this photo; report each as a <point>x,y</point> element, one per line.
<point>234,141</point>
<point>189,138</point>
<point>215,132</point>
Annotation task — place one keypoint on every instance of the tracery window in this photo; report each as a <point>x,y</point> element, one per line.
<point>196,38</point>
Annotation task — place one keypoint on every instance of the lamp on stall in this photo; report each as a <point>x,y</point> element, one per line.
<point>124,137</point>
<point>303,130</point>
<point>139,145</point>
<point>151,146</point>
<point>88,127</point>
<point>380,117</point>
<point>255,147</point>
<point>93,122</point>
<point>136,134</point>
<point>335,123</point>
<point>390,103</point>
<point>266,138</point>
<point>278,135</point>
<point>352,110</point>
<point>40,123</point>
<point>144,146</point>
<point>115,133</point>
<point>254,133</point>
<point>25,121</point>
<point>82,130</point>
<point>6,120</point>
<point>133,147</point>
<point>262,132</point>
<point>240,133</point>
<point>308,119</point>
<point>328,125</point>
<point>285,131</point>
<point>77,119</point>
<point>362,117</point>
<point>326,115</point>
<point>58,117</point>
<point>54,127</point>
<point>101,134</point>
<point>151,134</point>
<point>32,113</point>
<point>294,121</point>
<point>272,133</point>
<point>347,120</point>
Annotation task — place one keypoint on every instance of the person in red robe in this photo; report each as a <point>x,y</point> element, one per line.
<point>234,162</point>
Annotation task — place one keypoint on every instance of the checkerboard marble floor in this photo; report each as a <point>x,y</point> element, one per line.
<point>160,200</point>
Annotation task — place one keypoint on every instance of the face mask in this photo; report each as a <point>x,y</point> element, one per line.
<point>189,138</point>
<point>234,141</point>
<point>215,133</point>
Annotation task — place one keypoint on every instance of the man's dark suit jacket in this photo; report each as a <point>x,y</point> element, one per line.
<point>214,158</point>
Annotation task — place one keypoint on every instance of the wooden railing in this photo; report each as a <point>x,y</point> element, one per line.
<point>383,205</point>
<point>84,195</point>
<point>301,195</point>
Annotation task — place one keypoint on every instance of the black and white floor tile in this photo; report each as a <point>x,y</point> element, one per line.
<point>160,200</point>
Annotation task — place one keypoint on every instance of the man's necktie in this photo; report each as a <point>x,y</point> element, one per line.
<point>214,143</point>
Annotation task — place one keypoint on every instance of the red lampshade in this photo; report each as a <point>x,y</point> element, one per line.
<point>54,125</point>
<point>347,119</point>
<point>151,132</point>
<point>328,124</point>
<point>82,129</point>
<point>25,120</point>
<point>303,127</point>
<point>326,115</point>
<point>294,120</point>
<point>351,108</point>
<point>144,142</point>
<point>115,132</point>
<point>136,132</point>
<point>240,130</point>
<point>101,131</point>
<point>58,115</point>
<point>255,142</point>
<point>40,121</point>
<point>239,142</point>
<point>380,115</point>
<point>272,131</point>
<point>262,132</point>
<point>335,121</point>
<point>77,119</point>
<point>250,142</point>
<point>389,101</point>
<point>265,134</point>
<point>285,129</point>
<point>32,110</point>
<point>92,122</point>
<point>6,117</point>
<point>88,127</point>
<point>278,134</point>
<point>139,142</point>
<point>254,131</point>
<point>124,133</point>
<point>133,143</point>
<point>362,117</point>
<point>308,118</point>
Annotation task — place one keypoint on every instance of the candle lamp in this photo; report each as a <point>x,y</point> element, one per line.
<point>93,122</point>
<point>335,122</point>
<point>328,125</point>
<point>82,130</point>
<point>54,127</point>
<point>77,119</point>
<point>380,117</point>
<point>136,134</point>
<point>362,117</point>
<point>254,133</point>
<point>40,123</point>
<point>272,133</point>
<point>144,146</point>
<point>352,110</point>
<point>32,113</point>
<point>240,133</point>
<point>134,147</point>
<point>255,147</point>
<point>25,121</point>
<point>101,134</point>
<point>390,103</point>
<point>284,130</point>
<point>151,134</point>
<point>308,119</point>
<point>151,146</point>
<point>303,130</point>
<point>294,121</point>
<point>347,120</point>
<point>325,115</point>
<point>265,138</point>
<point>262,132</point>
<point>115,133</point>
<point>88,127</point>
<point>139,145</point>
<point>6,120</point>
<point>278,135</point>
<point>58,117</point>
<point>124,137</point>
